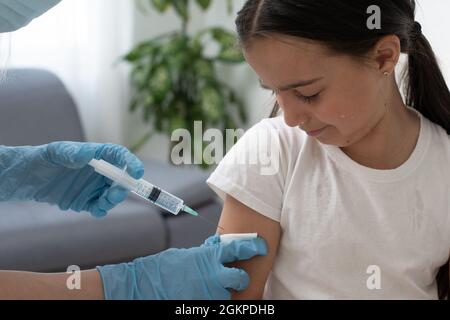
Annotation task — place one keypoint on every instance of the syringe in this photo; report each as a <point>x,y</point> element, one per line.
<point>142,188</point>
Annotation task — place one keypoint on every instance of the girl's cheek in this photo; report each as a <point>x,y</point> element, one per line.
<point>341,110</point>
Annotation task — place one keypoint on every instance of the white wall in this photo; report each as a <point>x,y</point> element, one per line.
<point>433,16</point>
<point>80,41</point>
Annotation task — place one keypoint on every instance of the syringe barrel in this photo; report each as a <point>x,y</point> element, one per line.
<point>159,197</point>
<point>140,187</point>
<point>112,172</point>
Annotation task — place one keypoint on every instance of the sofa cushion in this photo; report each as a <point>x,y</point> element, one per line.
<point>39,237</point>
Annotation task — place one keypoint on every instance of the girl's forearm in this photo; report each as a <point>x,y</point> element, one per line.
<point>41,286</point>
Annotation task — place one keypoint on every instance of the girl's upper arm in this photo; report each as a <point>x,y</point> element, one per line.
<point>238,218</point>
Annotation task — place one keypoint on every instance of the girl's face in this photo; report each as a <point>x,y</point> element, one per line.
<point>334,93</point>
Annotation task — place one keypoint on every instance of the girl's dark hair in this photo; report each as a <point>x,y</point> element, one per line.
<point>341,25</point>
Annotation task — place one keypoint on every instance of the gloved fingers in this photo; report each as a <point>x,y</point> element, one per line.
<point>213,240</point>
<point>83,189</point>
<point>234,278</point>
<point>76,155</point>
<point>72,155</point>
<point>96,210</point>
<point>116,194</point>
<point>121,157</point>
<point>108,200</point>
<point>242,249</point>
<point>135,168</point>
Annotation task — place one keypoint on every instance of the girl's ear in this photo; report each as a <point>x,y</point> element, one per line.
<point>387,53</point>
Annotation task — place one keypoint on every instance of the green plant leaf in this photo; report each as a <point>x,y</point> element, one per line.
<point>134,105</point>
<point>181,8</point>
<point>175,84</point>
<point>212,103</point>
<point>161,5</point>
<point>177,122</point>
<point>176,53</point>
<point>229,50</point>
<point>160,83</point>
<point>223,36</point>
<point>204,4</point>
<point>204,69</point>
<point>139,51</point>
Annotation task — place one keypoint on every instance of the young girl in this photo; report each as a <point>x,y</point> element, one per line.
<point>359,207</point>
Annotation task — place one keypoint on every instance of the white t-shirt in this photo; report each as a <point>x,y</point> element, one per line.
<point>348,231</point>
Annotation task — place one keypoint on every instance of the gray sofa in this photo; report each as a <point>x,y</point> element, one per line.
<point>36,108</point>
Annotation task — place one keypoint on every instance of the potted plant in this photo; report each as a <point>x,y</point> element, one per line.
<point>175,82</point>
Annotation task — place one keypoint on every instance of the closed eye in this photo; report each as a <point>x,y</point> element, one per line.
<point>307,99</point>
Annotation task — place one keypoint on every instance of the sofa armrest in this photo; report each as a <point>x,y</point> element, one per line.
<point>36,108</point>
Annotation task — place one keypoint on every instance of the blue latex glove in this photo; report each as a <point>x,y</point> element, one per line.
<point>58,173</point>
<point>183,274</point>
<point>15,14</point>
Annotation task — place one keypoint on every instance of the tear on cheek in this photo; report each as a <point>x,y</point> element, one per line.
<point>347,116</point>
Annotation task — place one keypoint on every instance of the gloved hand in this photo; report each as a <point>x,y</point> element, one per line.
<point>15,14</point>
<point>58,173</point>
<point>183,274</point>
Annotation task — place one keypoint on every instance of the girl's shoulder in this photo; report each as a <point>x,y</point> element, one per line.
<point>438,137</point>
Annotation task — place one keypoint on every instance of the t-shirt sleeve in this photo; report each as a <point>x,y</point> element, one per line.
<point>253,171</point>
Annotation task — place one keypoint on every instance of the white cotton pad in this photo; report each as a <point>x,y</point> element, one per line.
<point>227,238</point>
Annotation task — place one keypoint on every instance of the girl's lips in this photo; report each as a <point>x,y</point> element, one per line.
<point>316,132</point>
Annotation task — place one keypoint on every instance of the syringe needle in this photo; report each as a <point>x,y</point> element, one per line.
<point>196,214</point>
<point>190,211</point>
<point>210,222</point>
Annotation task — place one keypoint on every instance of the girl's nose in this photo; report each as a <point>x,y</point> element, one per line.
<point>293,114</point>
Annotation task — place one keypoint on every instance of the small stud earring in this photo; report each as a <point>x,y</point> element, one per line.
<point>386,73</point>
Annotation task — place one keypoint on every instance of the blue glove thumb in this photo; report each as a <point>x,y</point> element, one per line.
<point>243,250</point>
<point>234,278</point>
